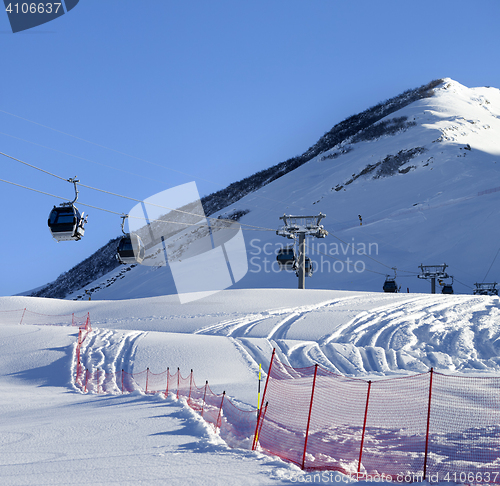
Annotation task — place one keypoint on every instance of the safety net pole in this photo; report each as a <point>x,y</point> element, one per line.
<point>256,434</point>
<point>428,422</point>
<point>78,344</point>
<point>309,417</point>
<point>262,420</point>
<point>204,395</point>
<point>364,427</point>
<point>218,423</point>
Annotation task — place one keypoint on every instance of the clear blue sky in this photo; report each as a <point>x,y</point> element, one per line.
<point>214,89</point>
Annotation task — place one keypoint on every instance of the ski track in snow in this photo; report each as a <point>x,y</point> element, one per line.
<point>452,333</point>
<point>110,351</point>
<point>411,336</point>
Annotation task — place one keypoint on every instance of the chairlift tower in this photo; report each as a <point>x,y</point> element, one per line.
<point>486,288</point>
<point>302,226</point>
<point>432,272</point>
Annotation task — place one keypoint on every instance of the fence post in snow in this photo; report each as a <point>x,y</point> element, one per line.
<point>178,379</point>
<point>147,378</point>
<point>204,395</point>
<point>428,422</point>
<point>168,376</point>
<point>309,417</point>
<point>256,434</point>
<point>78,344</point>
<point>22,317</point>
<point>190,385</point>
<point>262,420</point>
<point>364,427</point>
<point>218,423</point>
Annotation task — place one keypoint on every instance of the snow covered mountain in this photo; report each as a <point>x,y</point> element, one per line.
<point>421,171</point>
<point>425,181</point>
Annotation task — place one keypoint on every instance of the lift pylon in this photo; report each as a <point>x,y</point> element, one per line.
<point>485,288</point>
<point>300,227</point>
<point>431,272</point>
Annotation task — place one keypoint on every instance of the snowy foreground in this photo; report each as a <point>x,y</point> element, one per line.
<point>51,433</point>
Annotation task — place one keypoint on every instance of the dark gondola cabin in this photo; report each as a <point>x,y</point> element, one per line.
<point>130,249</point>
<point>286,258</point>
<point>390,285</point>
<point>309,267</point>
<point>447,289</point>
<point>66,223</point>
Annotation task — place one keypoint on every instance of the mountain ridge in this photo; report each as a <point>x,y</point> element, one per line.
<point>399,145</point>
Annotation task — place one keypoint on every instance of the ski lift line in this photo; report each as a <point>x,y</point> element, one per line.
<point>35,190</point>
<point>491,265</point>
<point>375,260</point>
<point>364,254</point>
<point>199,225</point>
<point>339,260</point>
<point>125,154</point>
<point>465,285</point>
<point>112,167</point>
<point>127,197</point>
<point>194,224</point>
<point>79,157</point>
<point>116,151</point>
<point>33,166</point>
<point>176,210</point>
<point>98,145</point>
<point>114,212</point>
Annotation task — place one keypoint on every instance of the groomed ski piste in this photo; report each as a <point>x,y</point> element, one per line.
<point>53,433</point>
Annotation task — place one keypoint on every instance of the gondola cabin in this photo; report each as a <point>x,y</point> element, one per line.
<point>390,285</point>
<point>66,223</point>
<point>309,267</point>
<point>447,289</point>
<point>130,249</point>
<point>286,258</point>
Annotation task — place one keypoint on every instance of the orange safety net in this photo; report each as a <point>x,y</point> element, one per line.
<point>25,316</point>
<point>428,426</point>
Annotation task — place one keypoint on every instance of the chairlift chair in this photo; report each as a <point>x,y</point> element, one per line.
<point>130,249</point>
<point>65,221</point>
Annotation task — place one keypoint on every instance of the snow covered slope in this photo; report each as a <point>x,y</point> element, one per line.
<point>426,181</point>
<point>426,184</point>
<point>53,434</point>
<point>350,333</point>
